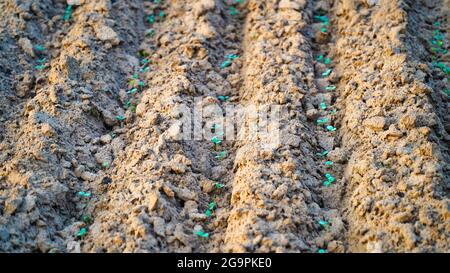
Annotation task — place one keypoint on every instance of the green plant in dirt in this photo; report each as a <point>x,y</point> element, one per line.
<point>84,194</point>
<point>202,234</point>
<point>322,154</point>
<point>68,13</point>
<point>327,72</point>
<point>330,179</point>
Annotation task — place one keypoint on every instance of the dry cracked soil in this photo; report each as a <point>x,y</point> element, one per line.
<point>92,92</point>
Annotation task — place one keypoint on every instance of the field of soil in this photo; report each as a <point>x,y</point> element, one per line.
<point>90,154</point>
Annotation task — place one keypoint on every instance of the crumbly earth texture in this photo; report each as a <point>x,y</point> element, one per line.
<point>92,92</point>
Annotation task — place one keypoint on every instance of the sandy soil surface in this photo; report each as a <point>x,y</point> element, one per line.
<point>92,92</point>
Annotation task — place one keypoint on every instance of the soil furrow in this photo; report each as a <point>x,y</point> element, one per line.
<point>276,204</point>
<point>70,109</point>
<point>395,201</point>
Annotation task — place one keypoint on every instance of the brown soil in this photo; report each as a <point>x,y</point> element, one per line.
<point>73,123</point>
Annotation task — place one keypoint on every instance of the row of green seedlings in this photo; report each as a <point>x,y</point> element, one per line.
<point>438,49</point>
<point>216,140</point>
<point>324,120</point>
<point>42,61</point>
<point>135,86</point>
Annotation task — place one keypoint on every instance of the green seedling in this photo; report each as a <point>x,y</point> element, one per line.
<point>323,30</point>
<point>322,251</point>
<point>151,19</point>
<point>233,11</point>
<point>219,185</point>
<point>330,88</point>
<point>86,219</point>
<point>216,140</point>
<point>334,111</point>
<point>141,83</point>
<point>41,60</point>
<point>105,164</point>
<point>232,56</point>
<point>320,58</point>
<point>223,98</point>
<point>82,232</point>
<point>40,67</point>
<point>323,223</point>
<point>225,64</point>
<point>68,12</point>
<point>202,234</point>
<point>330,178</point>
<point>331,128</point>
<point>321,18</point>
<point>161,14</point>
<point>84,194</point>
<point>327,61</point>
<point>327,72</point>
<point>120,118</point>
<point>212,205</point>
<point>127,104</point>
<point>132,91</point>
<point>328,163</point>
<point>208,212</point>
<point>221,155</point>
<point>322,121</point>
<point>323,105</point>
<point>145,69</point>
<point>322,154</point>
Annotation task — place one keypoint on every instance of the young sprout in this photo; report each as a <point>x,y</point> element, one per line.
<point>233,11</point>
<point>86,219</point>
<point>216,141</point>
<point>82,232</point>
<point>323,105</point>
<point>328,163</point>
<point>68,12</point>
<point>322,251</point>
<point>331,128</point>
<point>208,212</point>
<point>120,118</point>
<point>327,72</point>
<point>132,91</point>
<point>323,223</point>
<point>219,185</point>
<point>151,19</point>
<point>322,121</point>
<point>330,88</point>
<point>202,234</point>
<point>323,30</point>
<point>105,164</point>
<point>232,56</point>
<point>320,58</point>
<point>221,155</point>
<point>322,154</point>
<point>84,194</point>
<point>327,61</point>
<point>40,67</point>
<point>223,98</point>
<point>161,14</point>
<point>225,64</point>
